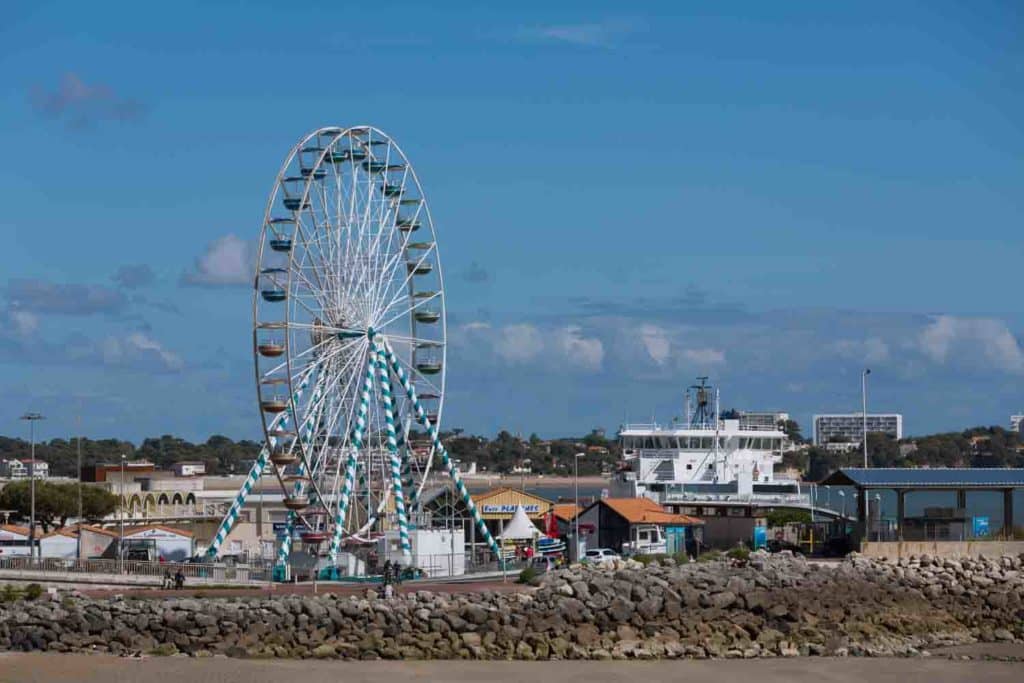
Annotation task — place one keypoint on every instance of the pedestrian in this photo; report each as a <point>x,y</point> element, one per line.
<point>398,573</point>
<point>179,579</point>
<point>167,578</point>
<point>386,576</point>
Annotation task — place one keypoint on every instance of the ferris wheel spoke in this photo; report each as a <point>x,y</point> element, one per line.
<point>408,310</point>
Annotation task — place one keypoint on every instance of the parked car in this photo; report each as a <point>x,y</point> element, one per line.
<point>599,555</point>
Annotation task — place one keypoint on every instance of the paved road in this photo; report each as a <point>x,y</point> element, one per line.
<point>48,668</point>
<point>307,589</point>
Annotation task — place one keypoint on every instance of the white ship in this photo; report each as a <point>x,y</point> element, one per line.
<point>703,459</point>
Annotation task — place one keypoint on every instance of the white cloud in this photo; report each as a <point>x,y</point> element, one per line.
<point>870,350</point>
<point>705,356</point>
<point>589,34</point>
<point>656,342</point>
<point>519,343</point>
<point>24,323</point>
<point>139,349</point>
<point>578,350</point>
<point>227,261</point>
<point>988,338</point>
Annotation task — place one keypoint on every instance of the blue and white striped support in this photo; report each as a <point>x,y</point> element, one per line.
<point>350,466</point>
<point>396,473</point>
<point>255,472</point>
<point>439,448</point>
<point>284,550</point>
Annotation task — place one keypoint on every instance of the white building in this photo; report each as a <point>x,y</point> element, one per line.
<point>19,469</point>
<point>189,469</point>
<point>849,427</point>
<point>13,469</point>
<point>61,543</point>
<point>14,541</point>
<point>1017,423</point>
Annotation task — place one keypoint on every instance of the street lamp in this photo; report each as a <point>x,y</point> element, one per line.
<point>864,414</point>
<point>842,494</point>
<point>32,419</point>
<point>120,540</point>
<point>576,515</point>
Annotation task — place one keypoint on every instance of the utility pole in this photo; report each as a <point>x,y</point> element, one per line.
<point>32,419</point>
<point>120,539</point>
<point>576,516</point>
<point>79,440</point>
<point>864,414</point>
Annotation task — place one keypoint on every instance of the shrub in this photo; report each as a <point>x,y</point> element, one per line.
<point>681,558</point>
<point>710,556</point>
<point>33,591</point>
<point>9,593</point>
<point>739,553</point>
<point>528,575</point>
<point>648,559</point>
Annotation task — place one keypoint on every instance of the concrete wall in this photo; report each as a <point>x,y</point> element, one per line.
<point>898,549</point>
<point>727,532</point>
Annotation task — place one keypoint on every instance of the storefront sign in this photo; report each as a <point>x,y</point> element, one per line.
<point>509,509</point>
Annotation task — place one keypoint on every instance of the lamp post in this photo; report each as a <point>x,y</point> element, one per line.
<point>32,419</point>
<point>864,414</point>
<point>79,449</point>
<point>576,515</point>
<point>120,538</point>
<point>842,494</point>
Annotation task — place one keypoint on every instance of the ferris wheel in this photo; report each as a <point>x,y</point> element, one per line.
<point>349,345</point>
<point>348,292</point>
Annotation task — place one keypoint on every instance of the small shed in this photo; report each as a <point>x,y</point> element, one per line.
<point>95,541</point>
<point>61,543</point>
<point>172,545</point>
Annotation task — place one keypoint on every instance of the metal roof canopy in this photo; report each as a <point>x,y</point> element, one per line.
<point>937,478</point>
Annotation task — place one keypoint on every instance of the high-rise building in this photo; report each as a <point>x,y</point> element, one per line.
<point>1017,423</point>
<point>849,427</point>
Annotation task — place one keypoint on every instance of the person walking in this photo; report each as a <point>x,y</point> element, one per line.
<point>179,579</point>
<point>167,578</point>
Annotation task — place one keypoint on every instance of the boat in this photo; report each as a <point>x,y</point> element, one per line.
<point>703,459</point>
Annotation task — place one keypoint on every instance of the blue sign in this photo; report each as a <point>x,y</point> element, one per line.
<point>980,526</point>
<point>760,537</point>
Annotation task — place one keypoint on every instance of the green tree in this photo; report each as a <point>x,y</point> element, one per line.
<point>792,429</point>
<point>56,503</point>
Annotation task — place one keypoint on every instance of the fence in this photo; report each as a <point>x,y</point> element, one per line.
<point>135,568</point>
<point>135,571</point>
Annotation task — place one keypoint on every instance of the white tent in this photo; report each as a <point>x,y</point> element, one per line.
<point>520,527</point>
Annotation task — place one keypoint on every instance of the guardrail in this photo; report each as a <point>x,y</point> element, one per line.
<point>137,569</point>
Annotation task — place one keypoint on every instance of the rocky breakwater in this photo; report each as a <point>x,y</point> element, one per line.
<point>769,606</point>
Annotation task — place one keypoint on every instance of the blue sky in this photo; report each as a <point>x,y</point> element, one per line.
<point>626,196</point>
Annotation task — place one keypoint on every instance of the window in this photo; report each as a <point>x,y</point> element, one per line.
<point>689,465</point>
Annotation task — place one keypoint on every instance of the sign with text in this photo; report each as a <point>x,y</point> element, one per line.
<point>509,509</point>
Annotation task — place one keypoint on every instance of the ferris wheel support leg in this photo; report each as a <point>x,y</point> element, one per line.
<point>439,448</point>
<point>396,474</point>
<point>255,472</point>
<point>284,548</point>
<point>350,466</point>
